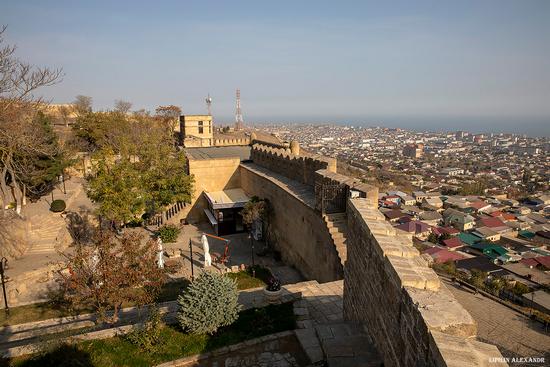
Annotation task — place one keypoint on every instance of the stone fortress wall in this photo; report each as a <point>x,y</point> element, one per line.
<point>290,163</point>
<point>413,319</point>
<point>297,229</point>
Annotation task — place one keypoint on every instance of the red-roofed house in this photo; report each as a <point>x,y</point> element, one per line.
<point>530,262</point>
<point>453,243</point>
<point>537,262</point>
<point>491,222</point>
<point>441,255</point>
<point>448,230</point>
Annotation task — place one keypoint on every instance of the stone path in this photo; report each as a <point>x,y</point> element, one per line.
<point>325,335</point>
<point>300,191</point>
<point>49,230</point>
<point>239,251</point>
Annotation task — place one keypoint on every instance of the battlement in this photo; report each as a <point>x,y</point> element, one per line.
<point>300,168</point>
<point>412,317</point>
<point>224,142</point>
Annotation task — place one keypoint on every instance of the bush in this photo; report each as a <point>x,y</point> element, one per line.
<point>168,233</point>
<point>209,303</point>
<point>147,336</point>
<point>57,206</point>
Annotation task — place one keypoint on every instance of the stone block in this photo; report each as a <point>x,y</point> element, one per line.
<point>315,354</point>
<point>307,338</point>
<point>442,312</point>
<point>453,351</point>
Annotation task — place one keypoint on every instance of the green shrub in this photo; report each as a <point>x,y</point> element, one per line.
<point>168,233</point>
<point>209,303</point>
<point>148,335</point>
<point>58,206</point>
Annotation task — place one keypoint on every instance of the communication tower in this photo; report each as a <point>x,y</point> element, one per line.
<point>209,104</point>
<point>238,113</point>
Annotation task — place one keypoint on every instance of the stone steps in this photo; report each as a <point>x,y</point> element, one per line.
<point>337,227</point>
<point>345,344</point>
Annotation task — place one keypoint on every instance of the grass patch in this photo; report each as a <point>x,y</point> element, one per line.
<point>37,312</point>
<point>174,343</point>
<point>245,280</point>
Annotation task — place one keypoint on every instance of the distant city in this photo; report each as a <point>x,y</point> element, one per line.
<point>533,127</point>
<point>514,164</point>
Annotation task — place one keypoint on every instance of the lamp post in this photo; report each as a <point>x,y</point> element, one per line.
<point>3,263</point>
<point>191,258</point>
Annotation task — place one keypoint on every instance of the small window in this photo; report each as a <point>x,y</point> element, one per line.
<point>201,129</point>
<point>200,123</point>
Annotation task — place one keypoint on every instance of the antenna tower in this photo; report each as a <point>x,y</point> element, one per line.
<point>209,104</point>
<point>238,113</point>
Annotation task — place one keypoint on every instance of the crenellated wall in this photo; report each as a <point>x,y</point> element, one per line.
<point>413,318</point>
<point>225,142</point>
<point>300,168</point>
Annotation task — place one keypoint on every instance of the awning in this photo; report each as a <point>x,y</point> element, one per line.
<point>232,198</point>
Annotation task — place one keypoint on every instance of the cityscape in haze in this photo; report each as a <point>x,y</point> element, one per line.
<point>275,183</point>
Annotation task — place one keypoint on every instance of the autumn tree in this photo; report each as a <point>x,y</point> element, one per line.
<point>112,272</point>
<point>169,115</point>
<point>138,169</point>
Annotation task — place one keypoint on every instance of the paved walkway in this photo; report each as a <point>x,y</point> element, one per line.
<point>514,334</point>
<point>240,252</point>
<point>325,335</point>
<point>49,230</point>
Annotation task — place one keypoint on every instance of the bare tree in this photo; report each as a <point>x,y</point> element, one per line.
<point>122,106</point>
<point>19,138</point>
<point>83,104</point>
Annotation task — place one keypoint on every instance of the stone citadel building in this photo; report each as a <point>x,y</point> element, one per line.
<point>328,226</point>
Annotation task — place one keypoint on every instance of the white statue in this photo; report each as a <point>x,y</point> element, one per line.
<point>206,249</point>
<point>160,254</point>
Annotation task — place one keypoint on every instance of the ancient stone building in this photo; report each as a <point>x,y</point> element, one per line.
<point>328,226</point>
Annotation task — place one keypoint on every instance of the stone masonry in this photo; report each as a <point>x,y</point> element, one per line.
<point>412,317</point>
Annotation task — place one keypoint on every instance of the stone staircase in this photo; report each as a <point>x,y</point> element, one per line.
<point>337,227</point>
<point>46,232</point>
<point>172,215</point>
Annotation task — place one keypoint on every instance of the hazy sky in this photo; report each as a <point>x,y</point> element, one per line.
<point>296,60</point>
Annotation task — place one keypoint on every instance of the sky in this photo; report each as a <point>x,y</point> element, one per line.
<point>480,63</point>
